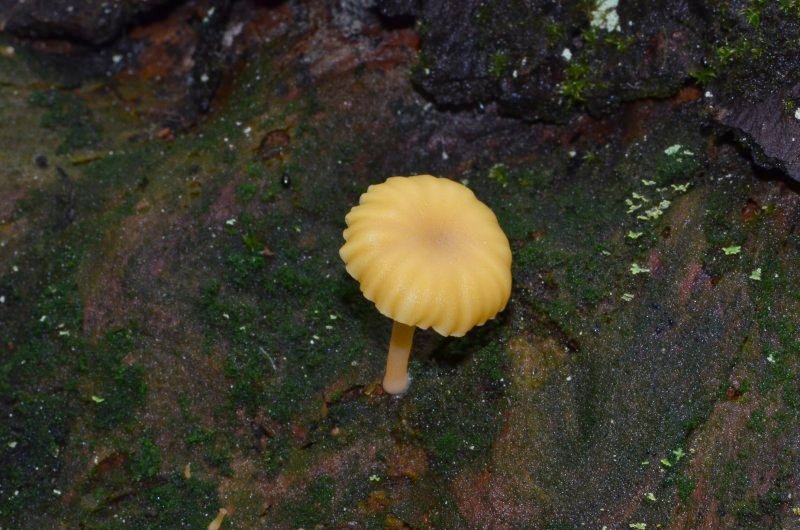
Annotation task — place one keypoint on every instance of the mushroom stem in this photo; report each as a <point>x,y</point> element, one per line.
<point>395,381</point>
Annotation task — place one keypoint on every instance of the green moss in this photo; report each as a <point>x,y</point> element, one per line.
<point>577,83</point>
<point>275,455</point>
<point>757,421</point>
<point>752,514</point>
<point>619,41</point>
<point>176,503</point>
<point>492,363</point>
<point>499,63</point>
<point>455,435</point>
<point>67,113</point>
<point>790,7</point>
<point>121,397</point>
<point>146,461</point>
<point>445,446</point>
<point>685,486</point>
<point>703,76</point>
<point>33,435</point>
<point>199,436</point>
<point>244,267</point>
<point>678,168</point>
<point>313,507</point>
<point>752,13</point>
<point>219,456</point>
<point>52,367</point>
<point>245,192</point>
<point>555,32</point>
<point>499,174</point>
<point>121,386</point>
<point>294,278</point>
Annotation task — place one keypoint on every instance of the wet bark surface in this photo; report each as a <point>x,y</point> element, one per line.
<point>179,335</point>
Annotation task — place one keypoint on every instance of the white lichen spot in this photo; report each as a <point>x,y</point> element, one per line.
<point>566,54</point>
<point>797,113</point>
<point>605,15</point>
<point>209,14</point>
<point>231,33</point>
<point>673,150</point>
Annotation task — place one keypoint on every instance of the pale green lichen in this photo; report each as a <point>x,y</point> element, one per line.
<point>605,15</point>
<point>732,250</point>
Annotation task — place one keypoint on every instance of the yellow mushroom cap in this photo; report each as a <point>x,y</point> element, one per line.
<point>428,253</point>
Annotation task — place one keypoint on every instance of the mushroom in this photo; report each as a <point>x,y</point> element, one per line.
<point>217,522</point>
<point>428,254</point>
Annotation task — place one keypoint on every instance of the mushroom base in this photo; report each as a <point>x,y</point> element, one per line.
<point>395,381</point>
